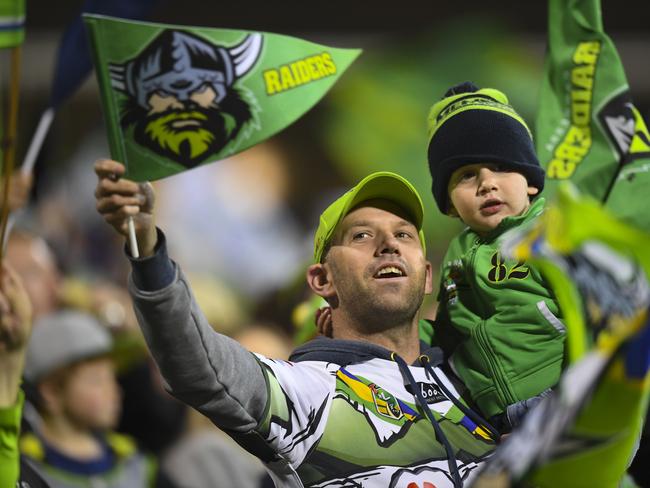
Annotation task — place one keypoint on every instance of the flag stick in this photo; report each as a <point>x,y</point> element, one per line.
<point>133,242</point>
<point>9,141</point>
<point>37,140</point>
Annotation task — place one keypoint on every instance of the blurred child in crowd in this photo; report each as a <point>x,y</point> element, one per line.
<point>69,365</point>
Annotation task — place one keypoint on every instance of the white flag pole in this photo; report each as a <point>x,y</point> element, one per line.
<point>37,141</point>
<point>133,242</point>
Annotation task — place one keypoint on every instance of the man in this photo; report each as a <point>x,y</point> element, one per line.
<point>347,411</point>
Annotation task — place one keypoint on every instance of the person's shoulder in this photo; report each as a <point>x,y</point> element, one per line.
<point>122,445</point>
<point>31,446</point>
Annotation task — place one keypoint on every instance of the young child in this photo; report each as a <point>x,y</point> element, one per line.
<point>497,319</point>
<point>78,398</point>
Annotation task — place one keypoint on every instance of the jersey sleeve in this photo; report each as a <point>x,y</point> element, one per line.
<point>299,399</point>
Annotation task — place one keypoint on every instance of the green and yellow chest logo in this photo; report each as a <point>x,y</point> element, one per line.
<point>385,403</point>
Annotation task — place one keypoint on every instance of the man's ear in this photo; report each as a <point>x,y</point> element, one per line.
<point>319,281</point>
<point>428,283</point>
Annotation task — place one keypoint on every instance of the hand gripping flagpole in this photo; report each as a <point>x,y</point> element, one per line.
<point>130,224</point>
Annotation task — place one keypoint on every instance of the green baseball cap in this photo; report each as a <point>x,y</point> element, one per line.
<point>381,185</point>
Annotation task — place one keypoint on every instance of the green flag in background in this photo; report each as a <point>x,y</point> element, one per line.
<point>12,22</point>
<point>588,131</point>
<point>176,97</point>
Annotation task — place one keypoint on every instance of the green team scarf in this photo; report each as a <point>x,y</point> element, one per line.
<point>587,129</point>
<point>12,22</point>
<point>176,97</point>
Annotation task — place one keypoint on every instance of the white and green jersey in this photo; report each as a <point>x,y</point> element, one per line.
<point>360,426</point>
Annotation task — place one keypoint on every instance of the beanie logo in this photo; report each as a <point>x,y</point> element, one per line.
<point>473,101</point>
<point>576,142</point>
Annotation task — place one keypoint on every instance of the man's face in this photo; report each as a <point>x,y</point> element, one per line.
<point>377,266</point>
<point>482,195</point>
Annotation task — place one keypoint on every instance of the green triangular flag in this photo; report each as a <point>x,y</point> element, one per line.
<point>176,97</point>
<point>587,129</point>
<point>12,22</point>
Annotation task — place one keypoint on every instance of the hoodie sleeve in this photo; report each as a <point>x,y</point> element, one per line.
<point>202,368</point>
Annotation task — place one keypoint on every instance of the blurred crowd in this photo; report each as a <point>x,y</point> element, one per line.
<point>96,410</point>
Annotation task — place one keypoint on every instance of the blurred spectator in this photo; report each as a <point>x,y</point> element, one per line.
<point>20,187</point>
<point>33,260</point>
<point>15,327</point>
<point>149,414</point>
<point>68,361</point>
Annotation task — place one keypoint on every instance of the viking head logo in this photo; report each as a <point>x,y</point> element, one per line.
<point>182,98</point>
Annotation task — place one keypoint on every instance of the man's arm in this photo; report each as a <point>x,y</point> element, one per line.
<point>15,326</point>
<point>206,370</point>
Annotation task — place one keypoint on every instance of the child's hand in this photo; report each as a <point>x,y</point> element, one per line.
<point>324,321</point>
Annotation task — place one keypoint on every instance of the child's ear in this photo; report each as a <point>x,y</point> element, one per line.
<point>532,191</point>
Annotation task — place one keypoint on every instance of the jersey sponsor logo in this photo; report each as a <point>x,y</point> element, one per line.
<point>575,144</point>
<point>430,392</point>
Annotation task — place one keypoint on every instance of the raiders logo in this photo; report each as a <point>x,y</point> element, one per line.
<point>182,96</point>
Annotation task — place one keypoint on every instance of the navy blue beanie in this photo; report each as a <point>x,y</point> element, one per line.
<point>471,125</point>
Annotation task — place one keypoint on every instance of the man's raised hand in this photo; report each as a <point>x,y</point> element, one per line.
<point>119,198</point>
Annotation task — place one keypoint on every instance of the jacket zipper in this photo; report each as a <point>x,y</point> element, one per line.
<point>503,389</point>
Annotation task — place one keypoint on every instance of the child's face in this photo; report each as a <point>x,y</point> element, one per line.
<point>90,396</point>
<point>482,195</point>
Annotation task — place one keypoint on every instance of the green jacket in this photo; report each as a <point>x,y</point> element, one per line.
<point>9,432</point>
<point>498,320</point>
